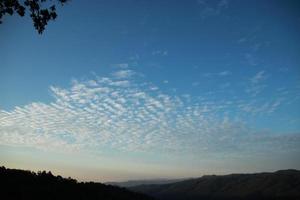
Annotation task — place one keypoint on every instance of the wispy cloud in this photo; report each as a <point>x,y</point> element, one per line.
<point>209,8</point>
<point>225,85</point>
<point>122,65</point>
<point>222,74</point>
<point>257,84</point>
<point>258,77</point>
<point>250,59</point>
<point>196,83</point>
<point>160,52</point>
<point>123,74</point>
<point>134,57</point>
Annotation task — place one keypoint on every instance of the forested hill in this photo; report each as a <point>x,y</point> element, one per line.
<point>23,185</point>
<point>132,183</point>
<point>280,185</point>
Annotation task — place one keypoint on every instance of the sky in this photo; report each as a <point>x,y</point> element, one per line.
<point>136,89</point>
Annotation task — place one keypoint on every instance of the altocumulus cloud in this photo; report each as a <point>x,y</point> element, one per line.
<point>125,114</point>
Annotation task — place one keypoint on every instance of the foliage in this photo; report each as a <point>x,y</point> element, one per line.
<point>20,184</point>
<point>41,11</point>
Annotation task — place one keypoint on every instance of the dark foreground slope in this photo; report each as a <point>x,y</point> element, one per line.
<point>23,185</point>
<point>280,185</point>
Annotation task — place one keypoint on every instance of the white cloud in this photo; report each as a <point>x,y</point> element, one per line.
<point>210,8</point>
<point>283,69</point>
<point>224,73</point>
<point>251,60</point>
<point>225,85</point>
<point>122,65</point>
<point>207,75</point>
<point>242,40</point>
<point>127,115</point>
<point>258,77</point>
<point>257,84</point>
<point>196,83</point>
<point>123,74</point>
<point>124,83</point>
<point>256,108</point>
<point>160,52</point>
<point>134,57</point>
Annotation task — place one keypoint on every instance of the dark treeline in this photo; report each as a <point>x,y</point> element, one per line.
<point>21,185</point>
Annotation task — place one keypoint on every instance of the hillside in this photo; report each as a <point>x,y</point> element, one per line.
<point>133,183</point>
<point>280,185</point>
<point>23,185</point>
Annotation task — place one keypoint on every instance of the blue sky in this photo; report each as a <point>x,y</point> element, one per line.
<point>117,90</point>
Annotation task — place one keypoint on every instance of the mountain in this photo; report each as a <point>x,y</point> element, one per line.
<point>280,185</point>
<point>22,185</point>
<point>133,183</point>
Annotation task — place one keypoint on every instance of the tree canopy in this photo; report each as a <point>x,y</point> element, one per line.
<point>40,11</point>
<point>20,184</point>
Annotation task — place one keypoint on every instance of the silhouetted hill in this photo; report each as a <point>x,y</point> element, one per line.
<point>23,185</point>
<point>132,183</point>
<point>280,185</point>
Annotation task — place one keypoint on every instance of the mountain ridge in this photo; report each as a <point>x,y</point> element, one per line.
<point>282,184</point>
<point>132,183</point>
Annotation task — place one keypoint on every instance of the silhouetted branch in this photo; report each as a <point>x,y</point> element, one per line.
<point>40,10</point>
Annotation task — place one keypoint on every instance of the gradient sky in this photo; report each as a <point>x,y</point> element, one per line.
<point>136,89</point>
